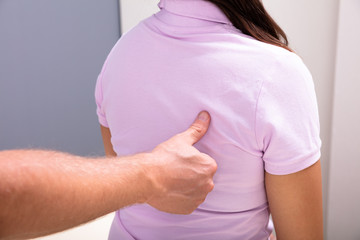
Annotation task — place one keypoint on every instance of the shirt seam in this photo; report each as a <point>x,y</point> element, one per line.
<point>256,111</point>
<point>271,72</point>
<point>101,88</point>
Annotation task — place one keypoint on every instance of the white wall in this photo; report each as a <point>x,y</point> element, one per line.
<point>133,11</point>
<point>344,180</point>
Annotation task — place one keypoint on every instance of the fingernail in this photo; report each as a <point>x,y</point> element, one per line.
<point>203,116</point>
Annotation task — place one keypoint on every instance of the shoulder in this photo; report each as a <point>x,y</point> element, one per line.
<point>130,42</point>
<point>135,34</point>
<point>263,57</point>
<point>280,59</point>
<point>281,65</point>
<point>139,30</point>
<point>289,63</point>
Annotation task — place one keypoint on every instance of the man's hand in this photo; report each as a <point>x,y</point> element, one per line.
<point>181,175</point>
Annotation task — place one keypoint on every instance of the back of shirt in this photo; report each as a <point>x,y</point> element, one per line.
<point>188,58</point>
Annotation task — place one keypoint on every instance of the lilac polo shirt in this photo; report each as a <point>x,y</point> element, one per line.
<point>187,58</point>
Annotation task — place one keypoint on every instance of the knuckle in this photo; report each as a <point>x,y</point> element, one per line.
<point>214,167</point>
<point>200,201</point>
<point>196,130</point>
<point>211,186</point>
<point>212,164</point>
<point>209,160</point>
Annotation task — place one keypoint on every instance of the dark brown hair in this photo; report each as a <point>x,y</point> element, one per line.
<point>251,18</point>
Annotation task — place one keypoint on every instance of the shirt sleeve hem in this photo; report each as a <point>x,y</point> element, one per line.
<point>301,164</point>
<point>103,122</point>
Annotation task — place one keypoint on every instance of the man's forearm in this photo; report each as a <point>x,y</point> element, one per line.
<point>63,190</point>
<point>43,192</point>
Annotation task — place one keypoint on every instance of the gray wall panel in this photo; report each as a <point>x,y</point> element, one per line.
<point>51,52</point>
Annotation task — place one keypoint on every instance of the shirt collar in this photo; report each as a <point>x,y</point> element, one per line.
<point>199,9</point>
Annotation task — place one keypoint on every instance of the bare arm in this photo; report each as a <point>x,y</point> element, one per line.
<point>296,204</point>
<point>106,136</point>
<point>43,192</point>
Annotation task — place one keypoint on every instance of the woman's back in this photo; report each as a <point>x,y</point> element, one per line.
<point>189,58</point>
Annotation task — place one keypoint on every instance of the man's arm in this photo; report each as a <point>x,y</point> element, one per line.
<point>43,192</point>
<point>295,202</point>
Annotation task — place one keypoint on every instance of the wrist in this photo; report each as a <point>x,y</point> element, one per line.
<point>151,174</point>
<point>146,176</point>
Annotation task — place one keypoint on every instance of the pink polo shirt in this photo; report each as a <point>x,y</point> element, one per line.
<point>187,58</point>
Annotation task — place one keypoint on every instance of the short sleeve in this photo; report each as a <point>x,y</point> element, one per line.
<point>99,100</point>
<point>287,120</point>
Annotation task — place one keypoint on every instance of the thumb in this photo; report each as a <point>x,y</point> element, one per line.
<point>198,129</point>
